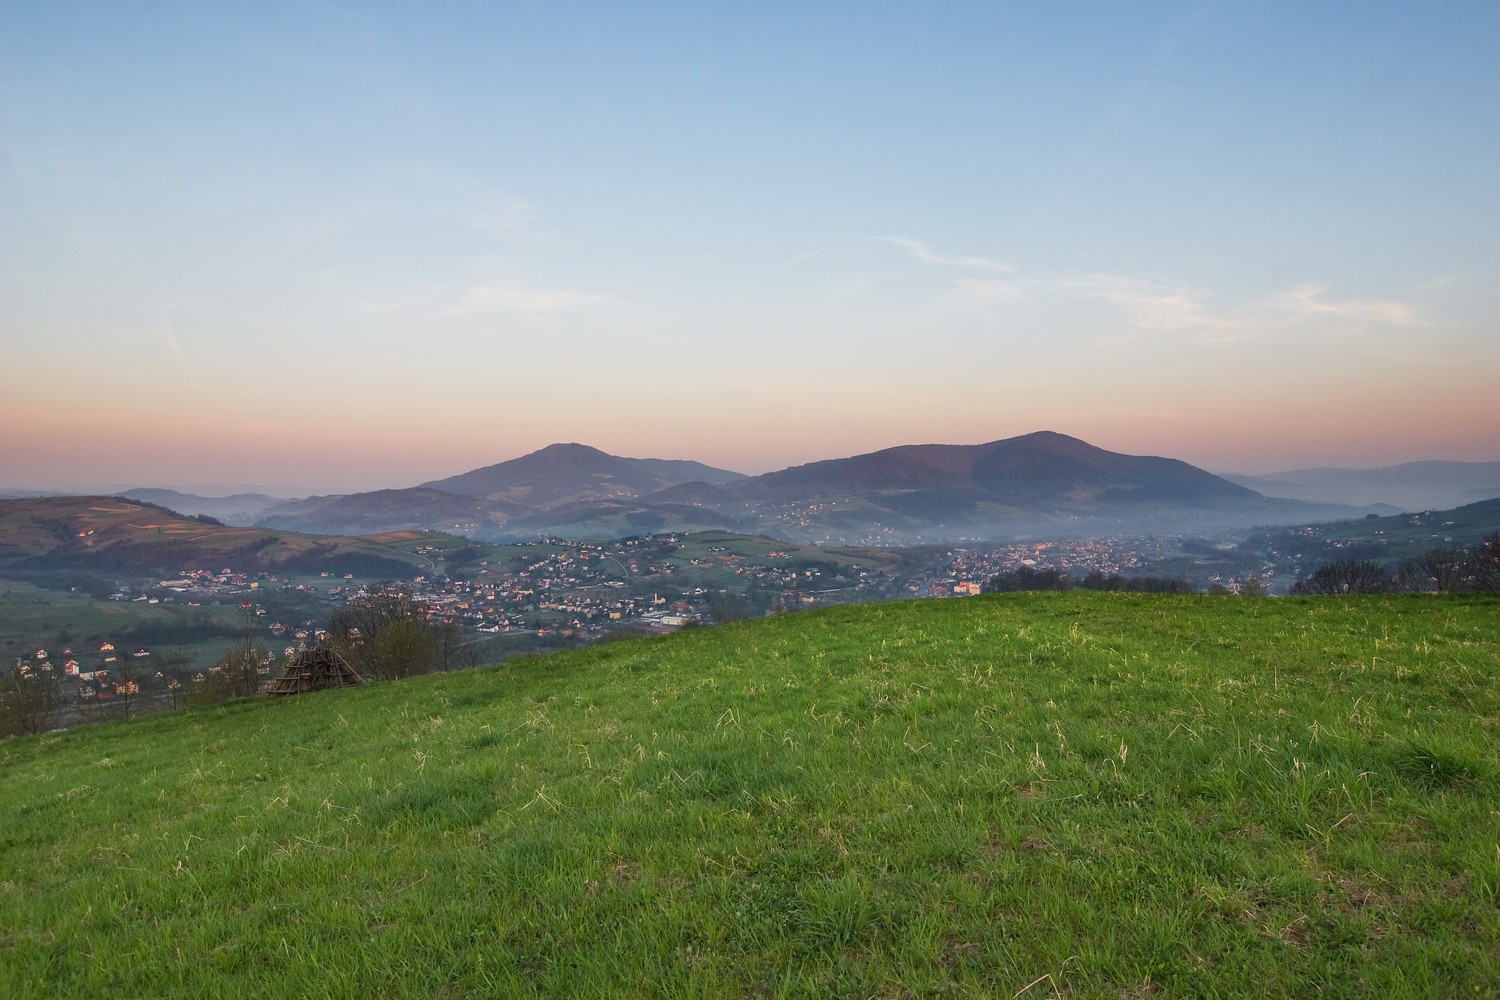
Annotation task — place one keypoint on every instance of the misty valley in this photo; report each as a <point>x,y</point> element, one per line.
<point>142,601</point>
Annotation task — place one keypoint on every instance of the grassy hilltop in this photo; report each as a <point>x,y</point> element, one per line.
<point>1085,795</point>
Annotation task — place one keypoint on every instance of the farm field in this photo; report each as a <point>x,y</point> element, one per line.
<point>59,618</point>
<point>111,533</point>
<point>1077,794</point>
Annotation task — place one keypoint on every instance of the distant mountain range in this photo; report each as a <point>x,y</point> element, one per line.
<point>1043,482</point>
<point>1412,486</point>
<point>1036,484</point>
<point>237,508</point>
<point>390,510</point>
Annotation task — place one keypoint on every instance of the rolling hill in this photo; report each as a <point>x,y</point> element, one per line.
<point>417,508</point>
<point>569,473</point>
<point>112,532</point>
<point>1041,483</point>
<point>563,489</point>
<point>1083,795</point>
<point>1044,471</point>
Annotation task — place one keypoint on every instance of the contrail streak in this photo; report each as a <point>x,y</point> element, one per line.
<point>786,264</point>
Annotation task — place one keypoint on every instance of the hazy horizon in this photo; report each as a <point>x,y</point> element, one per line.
<point>348,247</point>
<point>208,489</point>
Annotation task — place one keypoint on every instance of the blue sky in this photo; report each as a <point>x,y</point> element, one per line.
<point>330,247</point>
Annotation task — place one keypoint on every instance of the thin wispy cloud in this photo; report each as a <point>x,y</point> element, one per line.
<point>1150,305</point>
<point>168,332</point>
<point>786,264</point>
<point>1153,306</point>
<point>497,295</point>
<point>1139,304</point>
<point>1191,314</point>
<point>991,290</point>
<point>510,296</point>
<point>1144,304</point>
<point>984,298</point>
<point>1307,301</point>
<point>927,255</point>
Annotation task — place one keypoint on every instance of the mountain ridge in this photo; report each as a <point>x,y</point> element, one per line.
<point>1041,468</point>
<point>1041,482</point>
<point>568,472</point>
<point>1424,485</point>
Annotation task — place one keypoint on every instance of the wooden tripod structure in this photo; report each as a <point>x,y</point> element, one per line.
<point>313,669</point>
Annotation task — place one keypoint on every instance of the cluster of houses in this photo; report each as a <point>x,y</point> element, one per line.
<point>570,590</point>
<point>100,674</point>
<point>968,568</point>
<point>574,593</point>
<point>578,591</point>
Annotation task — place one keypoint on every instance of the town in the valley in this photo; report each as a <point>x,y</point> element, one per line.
<point>159,638</point>
<point>502,600</point>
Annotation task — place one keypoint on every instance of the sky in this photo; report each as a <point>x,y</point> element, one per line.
<point>327,247</point>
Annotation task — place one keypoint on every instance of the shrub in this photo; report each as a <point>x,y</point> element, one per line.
<point>1346,576</point>
<point>31,700</point>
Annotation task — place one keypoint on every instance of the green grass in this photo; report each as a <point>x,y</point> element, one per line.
<point>1091,795</point>
<point>32,617</point>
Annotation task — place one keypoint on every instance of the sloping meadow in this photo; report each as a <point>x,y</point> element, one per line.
<point>1085,795</point>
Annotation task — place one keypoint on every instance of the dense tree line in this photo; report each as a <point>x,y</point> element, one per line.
<point>326,556</point>
<point>1460,569</point>
<point>157,555</point>
<point>1032,578</point>
<point>455,559</point>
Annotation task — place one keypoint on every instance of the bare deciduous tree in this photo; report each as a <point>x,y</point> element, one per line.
<point>1484,566</point>
<point>1437,571</point>
<point>32,699</point>
<point>238,673</point>
<point>385,633</point>
<point>1346,576</point>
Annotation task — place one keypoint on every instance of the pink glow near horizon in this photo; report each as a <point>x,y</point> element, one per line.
<point>855,229</point>
<point>301,461</point>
